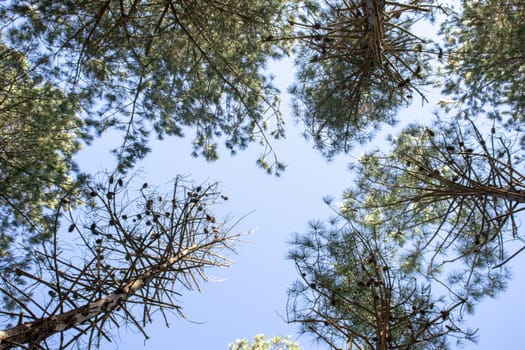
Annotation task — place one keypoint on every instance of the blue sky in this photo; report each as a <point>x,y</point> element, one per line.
<point>250,297</point>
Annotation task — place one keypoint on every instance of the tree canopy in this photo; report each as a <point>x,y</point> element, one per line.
<point>424,233</point>
<point>486,60</point>
<point>35,153</point>
<point>167,67</point>
<point>355,290</point>
<point>427,224</point>
<point>428,227</point>
<point>358,62</point>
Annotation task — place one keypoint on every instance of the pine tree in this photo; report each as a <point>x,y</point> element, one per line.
<point>485,59</point>
<point>36,167</point>
<point>433,220</point>
<point>121,261</point>
<point>359,63</point>
<point>163,67</point>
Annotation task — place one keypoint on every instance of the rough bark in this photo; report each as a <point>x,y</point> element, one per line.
<point>36,331</point>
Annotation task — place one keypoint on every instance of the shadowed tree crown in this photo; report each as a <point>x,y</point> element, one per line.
<point>160,66</point>
<point>358,63</point>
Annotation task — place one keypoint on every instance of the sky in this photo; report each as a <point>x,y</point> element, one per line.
<point>250,297</point>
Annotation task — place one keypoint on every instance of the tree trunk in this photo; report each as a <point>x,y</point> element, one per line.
<point>36,331</point>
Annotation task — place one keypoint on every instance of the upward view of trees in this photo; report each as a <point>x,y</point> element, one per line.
<point>35,154</point>
<point>425,232</point>
<point>359,62</point>
<point>418,241</point>
<point>160,66</point>
<point>428,228</point>
<point>138,254</point>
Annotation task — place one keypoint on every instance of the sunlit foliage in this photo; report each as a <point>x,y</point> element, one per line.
<point>440,208</point>
<point>262,343</point>
<point>452,189</point>
<point>39,132</point>
<point>433,219</point>
<point>163,67</point>
<point>486,59</point>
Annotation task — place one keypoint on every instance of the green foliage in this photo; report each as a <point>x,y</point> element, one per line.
<point>421,237</point>
<point>438,210</point>
<point>262,343</point>
<point>359,62</point>
<point>355,291</point>
<point>448,190</point>
<point>39,134</point>
<point>424,237</point>
<point>486,59</point>
<point>164,66</point>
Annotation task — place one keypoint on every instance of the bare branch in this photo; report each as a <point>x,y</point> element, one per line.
<point>139,254</point>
